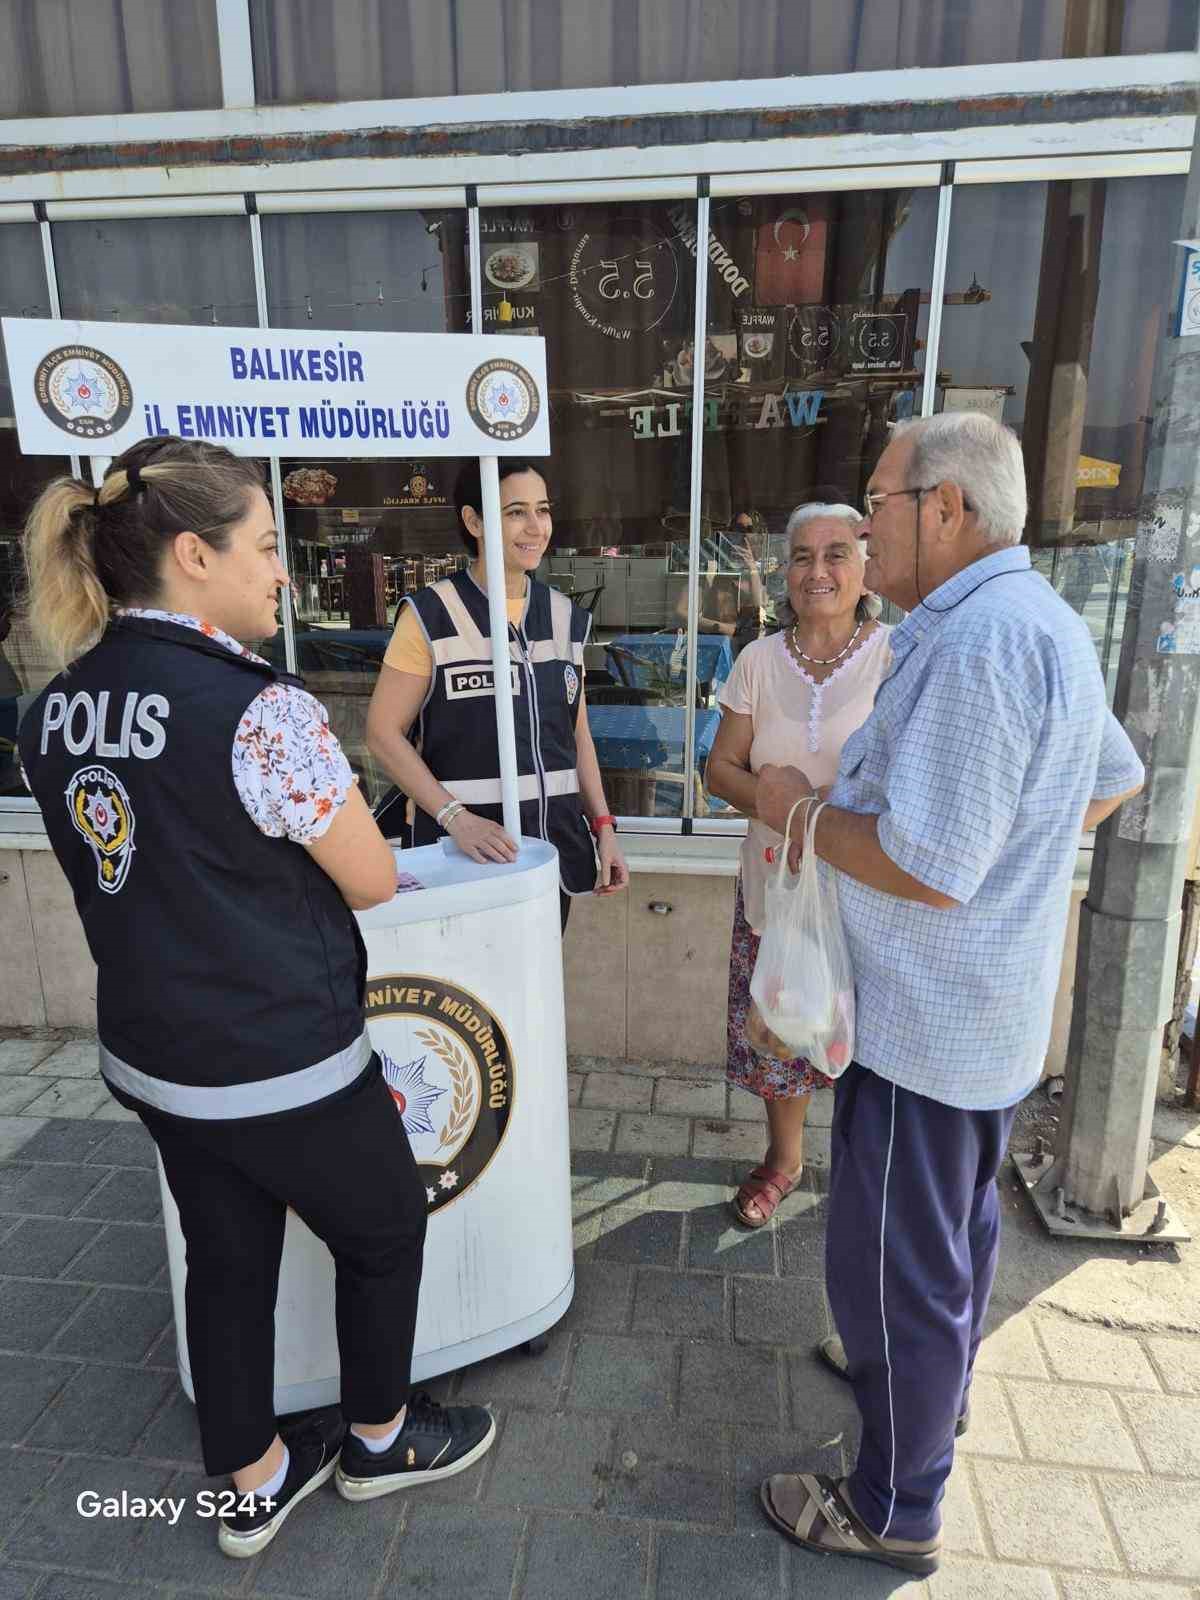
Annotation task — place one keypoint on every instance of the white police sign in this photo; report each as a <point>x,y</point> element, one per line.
<point>95,388</point>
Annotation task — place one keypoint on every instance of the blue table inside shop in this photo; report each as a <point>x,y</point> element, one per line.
<point>650,739</point>
<point>637,659</point>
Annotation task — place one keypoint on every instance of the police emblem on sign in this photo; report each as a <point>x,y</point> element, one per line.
<point>101,813</point>
<point>83,391</point>
<point>449,1067</point>
<point>572,678</point>
<point>503,399</point>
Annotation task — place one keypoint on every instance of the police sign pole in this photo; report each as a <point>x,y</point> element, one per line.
<point>493,547</point>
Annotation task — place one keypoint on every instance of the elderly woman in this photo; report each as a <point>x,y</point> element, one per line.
<point>793,699</point>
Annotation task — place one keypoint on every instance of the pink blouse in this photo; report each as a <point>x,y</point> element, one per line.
<point>797,723</point>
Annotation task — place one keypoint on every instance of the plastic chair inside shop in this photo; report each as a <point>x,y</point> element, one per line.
<point>628,662</point>
<point>588,599</point>
<point>625,691</point>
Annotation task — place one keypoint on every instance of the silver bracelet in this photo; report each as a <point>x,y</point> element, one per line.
<point>449,811</point>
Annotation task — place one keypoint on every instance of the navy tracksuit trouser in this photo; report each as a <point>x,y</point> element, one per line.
<point>913,1235</point>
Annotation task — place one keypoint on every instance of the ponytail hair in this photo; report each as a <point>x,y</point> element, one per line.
<point>65,601</point>
<point>88,551</point>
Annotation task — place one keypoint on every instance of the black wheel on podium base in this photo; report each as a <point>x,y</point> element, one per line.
<point>537,1346</point>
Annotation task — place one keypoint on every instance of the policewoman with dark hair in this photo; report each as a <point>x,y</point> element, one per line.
<point>437,674</point>
<point>217,846</point>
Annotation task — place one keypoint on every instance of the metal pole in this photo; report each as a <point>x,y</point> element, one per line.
<point>937,289</point>
<point>287,604</point>
<point>696,505</point>
<point>493,561</point>
<point>47,239</point>
<point>493,557</point>
<point>1097,1185</point>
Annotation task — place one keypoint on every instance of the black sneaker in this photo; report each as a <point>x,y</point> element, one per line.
<point>313,1456</point>
<point>435,1442</point>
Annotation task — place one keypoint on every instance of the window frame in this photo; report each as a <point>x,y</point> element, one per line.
<point>611,179</point>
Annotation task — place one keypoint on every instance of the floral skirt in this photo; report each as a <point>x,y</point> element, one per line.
<point>744,1066</point>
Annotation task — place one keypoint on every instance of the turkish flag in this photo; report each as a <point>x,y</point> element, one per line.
<point>790,254</point>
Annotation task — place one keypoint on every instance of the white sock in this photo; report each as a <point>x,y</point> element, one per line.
<point>273,1485</point>
<point>386,1441</point>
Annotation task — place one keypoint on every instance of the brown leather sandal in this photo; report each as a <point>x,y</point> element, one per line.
<point>764,1188</point>
<point>811,1509</point>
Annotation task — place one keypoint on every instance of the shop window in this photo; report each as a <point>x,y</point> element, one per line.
<point>992,270</point>
<point>22,291</point>
<point>23,669</point>
<point>177,269</point>
<point>814,348</point>
<point>63,58</point>
<point>361,534</point>
<point>1056,333</point>
<point>612,289</point>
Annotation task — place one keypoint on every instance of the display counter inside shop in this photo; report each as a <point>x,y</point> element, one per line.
<point>464,1007</point>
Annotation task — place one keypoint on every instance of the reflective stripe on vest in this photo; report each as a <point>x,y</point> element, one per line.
<point>486,791</point>
<point>287,1092</point>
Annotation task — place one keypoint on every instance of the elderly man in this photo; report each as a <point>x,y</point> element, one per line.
<point>953,826</point>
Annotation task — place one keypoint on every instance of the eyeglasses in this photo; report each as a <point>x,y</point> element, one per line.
<point>872,499</point>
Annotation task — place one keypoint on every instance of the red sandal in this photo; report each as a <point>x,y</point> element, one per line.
<point>765,1188</point>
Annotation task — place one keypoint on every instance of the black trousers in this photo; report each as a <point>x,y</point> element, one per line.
<point>345,1167</point>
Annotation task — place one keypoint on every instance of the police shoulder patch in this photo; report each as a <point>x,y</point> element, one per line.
<point>101,813</point>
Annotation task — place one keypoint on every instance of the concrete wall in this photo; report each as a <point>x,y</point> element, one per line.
<point>47,975</point>
<point>650,985</point>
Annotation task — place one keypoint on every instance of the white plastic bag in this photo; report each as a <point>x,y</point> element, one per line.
<point>803,983</point>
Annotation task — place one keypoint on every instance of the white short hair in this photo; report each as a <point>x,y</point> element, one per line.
<point>982,457</point>
<point>815,511</point>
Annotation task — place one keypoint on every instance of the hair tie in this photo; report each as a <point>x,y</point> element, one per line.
<point>96,500</point>
<point>133,476</point>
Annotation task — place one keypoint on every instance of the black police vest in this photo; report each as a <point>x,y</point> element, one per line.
<point>230,969</point>
<point>457,729</point>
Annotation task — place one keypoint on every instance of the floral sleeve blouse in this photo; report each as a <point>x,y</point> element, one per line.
<point>289,770</point>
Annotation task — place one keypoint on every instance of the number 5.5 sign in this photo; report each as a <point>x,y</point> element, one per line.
<point>1187,322</point>
<point>609,285</point>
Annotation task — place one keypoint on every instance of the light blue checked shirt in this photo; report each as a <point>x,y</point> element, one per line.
<point>988,739</point>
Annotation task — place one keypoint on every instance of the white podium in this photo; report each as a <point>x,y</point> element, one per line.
<point>465,1007</point>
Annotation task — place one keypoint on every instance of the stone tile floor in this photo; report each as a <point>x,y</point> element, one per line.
<point>630,1453</point>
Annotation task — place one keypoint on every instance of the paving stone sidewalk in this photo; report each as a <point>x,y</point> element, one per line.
<point>630,1453</point>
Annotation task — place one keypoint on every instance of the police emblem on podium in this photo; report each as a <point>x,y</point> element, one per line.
<point>448,1066</point>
